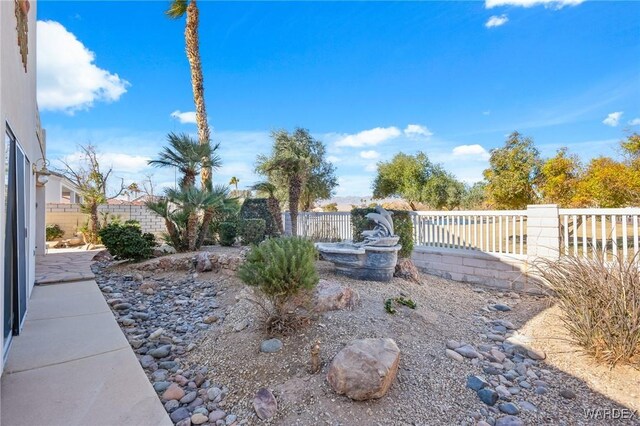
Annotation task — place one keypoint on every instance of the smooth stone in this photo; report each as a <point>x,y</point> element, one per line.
<point>488,396</point>
<point>171,405</point>
<point>184,422</point>
<point>527,406</point>
<point>265,404</point>
<point>524,384</point>
<point>216,415</point>
<point>453,355</point>
<point>190,397</point>
<point>514,390</point>
<point>453,344</point>
<point>271,346</point>
<point>503,392</point>
<point>213,393</point>
<point>509,421</point>
<point>173,392</point>
<point>509,408</point>
<point>231,418</point>
<point>568,394</point>
<point>490,370</point>
<point>476,383</point>
<point>179,414</point>
<point>501,307</point>
<point>199,418</point>
<point>161,386</point>
<point>467,351</point>
<point>540,390</point>
<point>160,352</point>
<point>536,354</point>
<point>497,355</point>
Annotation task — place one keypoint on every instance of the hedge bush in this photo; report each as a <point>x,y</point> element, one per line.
<point>402,224</point>
<point>126,240</point>
<point>53,232</point>
<point>251,231</point>
<point>261,208</point>
<point>227,233</point>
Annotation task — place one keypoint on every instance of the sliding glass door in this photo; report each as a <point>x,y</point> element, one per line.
<point>16,246</point>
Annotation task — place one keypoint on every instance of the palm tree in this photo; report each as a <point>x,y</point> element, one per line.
<point>188,156</point>
<point>290,159</point>
<point>178,9</point>
<point>234,181</point>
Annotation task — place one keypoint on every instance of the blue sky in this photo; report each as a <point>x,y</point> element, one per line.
<point>370,79</point>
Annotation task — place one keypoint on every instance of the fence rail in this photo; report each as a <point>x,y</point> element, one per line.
<point>612,232</point>
<point>488,231</point>
<point>577,232</point>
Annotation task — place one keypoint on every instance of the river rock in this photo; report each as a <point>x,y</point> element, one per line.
<point>365,368</point>
<point>265,404</point>
<point>271,346</point>
<point>406,269</point>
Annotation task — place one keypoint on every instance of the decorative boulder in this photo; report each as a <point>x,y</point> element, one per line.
<point>265,404</point>
<point>331,296</point>
<point>364,369</point>
<point>203,263</point>
<point>406,269</point>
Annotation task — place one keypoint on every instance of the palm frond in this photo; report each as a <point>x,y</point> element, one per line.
<point>177,9</point>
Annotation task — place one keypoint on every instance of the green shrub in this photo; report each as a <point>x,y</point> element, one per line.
<point>53,232</point>
<point>281,268</point>
<point>600,303</point>
<point>227,233</point>
<point>402,224</point>
<point>251,231</point>
<point>262,208</point>
<point>126,240</point>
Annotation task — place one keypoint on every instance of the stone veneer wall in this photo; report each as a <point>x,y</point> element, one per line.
<point>70,218</point>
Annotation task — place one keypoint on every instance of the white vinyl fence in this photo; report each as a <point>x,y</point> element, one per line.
<point>325,226</point>
<point>613,232</point>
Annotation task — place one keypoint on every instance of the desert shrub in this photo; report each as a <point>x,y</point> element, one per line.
<point>53,232</point>
<point>402,224</point>
<point>227,233</point>
<point>262,208</point>
<point>600,304</point>
<point>281,268</point>
<point>251,231</point>
<point>126,240</point>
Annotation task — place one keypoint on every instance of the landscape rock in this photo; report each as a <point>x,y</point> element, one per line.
<point>174,391</point>
<point>488,396</point>
<point>509,421</point>
<point>476,383</point>
<point>203,263</point>
<point>265,404</point>
<point>406,269</point>
<point>567,394</point>
<point>454,355</point>
<point>180,414</point>
<point>332,296</point>
<point>365,369</point>
<point>509,408</point>
<point>199,418</point>
<point>467,351</point>
<point>270,346</point>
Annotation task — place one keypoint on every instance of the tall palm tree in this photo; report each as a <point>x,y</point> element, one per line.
<point>234,181</point>
<point>188,156</point>
<point>178,9</point>
<point>291,159</point>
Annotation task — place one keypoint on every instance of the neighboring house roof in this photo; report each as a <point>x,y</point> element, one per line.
<point>65,180</point>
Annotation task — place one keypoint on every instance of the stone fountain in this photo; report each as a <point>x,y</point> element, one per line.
<point>374,258</point>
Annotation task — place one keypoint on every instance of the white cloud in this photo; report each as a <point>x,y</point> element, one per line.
<point>184,117</point>
<point>334,159</point>
<point>417,130</point>
<point>68,78</point>
<point>554,4</point>
<point>369,137</point>
<point>496,21</point>
<point>369,155</point>
<point>121,163</point>
<point>635,122</point>
<point>613,119</point>
<point>471,151</point>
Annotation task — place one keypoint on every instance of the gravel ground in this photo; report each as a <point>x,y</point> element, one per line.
<point>431,388</point>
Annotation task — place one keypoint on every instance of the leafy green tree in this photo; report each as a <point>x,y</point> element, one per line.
<point>416,179</point>
<point>474,197</point>
<point>559,177</point>
<point>513,172</point>
<point>297,164</point>
<point>607,184</point>
<point>178,9</point>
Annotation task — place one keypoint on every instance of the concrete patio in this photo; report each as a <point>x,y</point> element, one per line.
<point>72,365</point>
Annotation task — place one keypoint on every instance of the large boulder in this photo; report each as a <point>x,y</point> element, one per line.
<point>332,296</point>
<point>203,263</point>
<point>365,368</point>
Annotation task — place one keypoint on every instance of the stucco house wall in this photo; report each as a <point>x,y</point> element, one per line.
<point>19,113</point>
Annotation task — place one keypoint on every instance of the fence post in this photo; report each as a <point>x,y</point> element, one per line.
<point>543,231</point>
<point>286,219</point>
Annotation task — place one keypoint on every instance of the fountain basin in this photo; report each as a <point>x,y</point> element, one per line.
<point>372,263</point>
